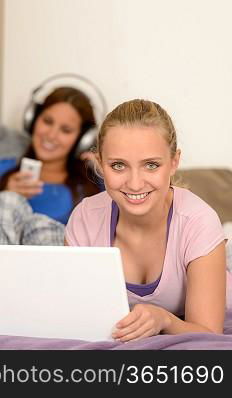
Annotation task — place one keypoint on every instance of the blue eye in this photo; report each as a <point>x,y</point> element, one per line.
<point>118,166</point>
<point>151,165</point>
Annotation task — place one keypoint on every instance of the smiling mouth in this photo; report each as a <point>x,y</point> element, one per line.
<point>137,196</point>
<point>48,146</point>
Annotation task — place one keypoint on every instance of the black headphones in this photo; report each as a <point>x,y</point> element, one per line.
<point>83,84</point>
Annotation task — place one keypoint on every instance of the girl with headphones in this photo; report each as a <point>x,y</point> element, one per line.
<point>57,127</point>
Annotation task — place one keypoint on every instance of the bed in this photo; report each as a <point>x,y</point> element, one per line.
<point>214,185</point>
<point>187,341</point>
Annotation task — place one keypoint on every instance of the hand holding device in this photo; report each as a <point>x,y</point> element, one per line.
<point>26,181</point>
<point>32,165</point>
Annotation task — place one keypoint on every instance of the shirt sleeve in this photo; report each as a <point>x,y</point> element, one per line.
<point>202,234</point>
<point>74,227</point>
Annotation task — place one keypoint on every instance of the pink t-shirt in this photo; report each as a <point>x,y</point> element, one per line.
<point>195,230</point>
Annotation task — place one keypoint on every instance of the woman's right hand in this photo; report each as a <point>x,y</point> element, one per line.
<point>22,183</point>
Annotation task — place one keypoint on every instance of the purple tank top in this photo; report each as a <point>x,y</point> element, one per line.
<point>146,288</point>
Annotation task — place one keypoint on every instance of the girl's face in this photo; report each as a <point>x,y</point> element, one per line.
<point>55,132</point>
<point>137,165</point>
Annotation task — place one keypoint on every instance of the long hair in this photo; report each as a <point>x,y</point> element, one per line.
<point>76,168</point>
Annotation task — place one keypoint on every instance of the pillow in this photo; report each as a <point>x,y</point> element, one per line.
<point>13,143</point>
<point>213,185</point>
<point>228,229</point>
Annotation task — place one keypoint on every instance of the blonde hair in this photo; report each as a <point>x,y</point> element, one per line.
<point>142,113</point>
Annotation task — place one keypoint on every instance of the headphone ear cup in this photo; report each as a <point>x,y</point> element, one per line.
<point>87,141</point>
<point>29,115</point>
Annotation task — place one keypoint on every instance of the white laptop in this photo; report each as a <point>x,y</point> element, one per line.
<point>61,292</point>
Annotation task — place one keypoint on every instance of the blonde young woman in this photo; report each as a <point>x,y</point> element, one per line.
<point>172,243</point>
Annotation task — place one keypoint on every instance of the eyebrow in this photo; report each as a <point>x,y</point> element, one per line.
<point>49,116</point>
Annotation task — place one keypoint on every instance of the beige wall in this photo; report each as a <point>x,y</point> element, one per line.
<point>176,53</point>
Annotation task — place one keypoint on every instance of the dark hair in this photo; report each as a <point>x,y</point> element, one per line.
<point>79,101</point>
<point>76,168</point>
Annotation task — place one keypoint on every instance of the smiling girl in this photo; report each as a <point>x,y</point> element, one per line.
<point>171,241</point>
<point>56,129</point>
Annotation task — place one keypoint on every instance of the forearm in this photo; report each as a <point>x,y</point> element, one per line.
<point>175,325</point>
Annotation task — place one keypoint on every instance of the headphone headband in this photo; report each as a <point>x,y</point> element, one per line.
<point>79,82</point>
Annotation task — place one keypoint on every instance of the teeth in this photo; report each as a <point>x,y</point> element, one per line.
<point>48,145</point>
<point>137,197</point>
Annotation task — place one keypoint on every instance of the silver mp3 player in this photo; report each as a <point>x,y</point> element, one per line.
<point>32,165</point>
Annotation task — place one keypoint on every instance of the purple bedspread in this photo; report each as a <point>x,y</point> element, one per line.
<point>187,341</point>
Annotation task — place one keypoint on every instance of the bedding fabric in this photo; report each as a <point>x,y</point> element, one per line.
<point>20,226</point>
<point>187,341</point>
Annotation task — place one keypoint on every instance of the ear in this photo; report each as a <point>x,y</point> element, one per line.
<point>98,164</point>
<point>175,162</point>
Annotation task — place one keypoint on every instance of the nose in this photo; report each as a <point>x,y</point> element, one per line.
<point>135,181</point>
<point>52,132</point>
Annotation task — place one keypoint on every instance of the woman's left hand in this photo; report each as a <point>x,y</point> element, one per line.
<point>143,321</point>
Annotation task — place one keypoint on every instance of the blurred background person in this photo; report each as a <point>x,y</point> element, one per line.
<point>57,127</point>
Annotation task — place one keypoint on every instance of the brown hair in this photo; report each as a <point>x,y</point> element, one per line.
<point>76,168</point>
<point>79,101</point>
